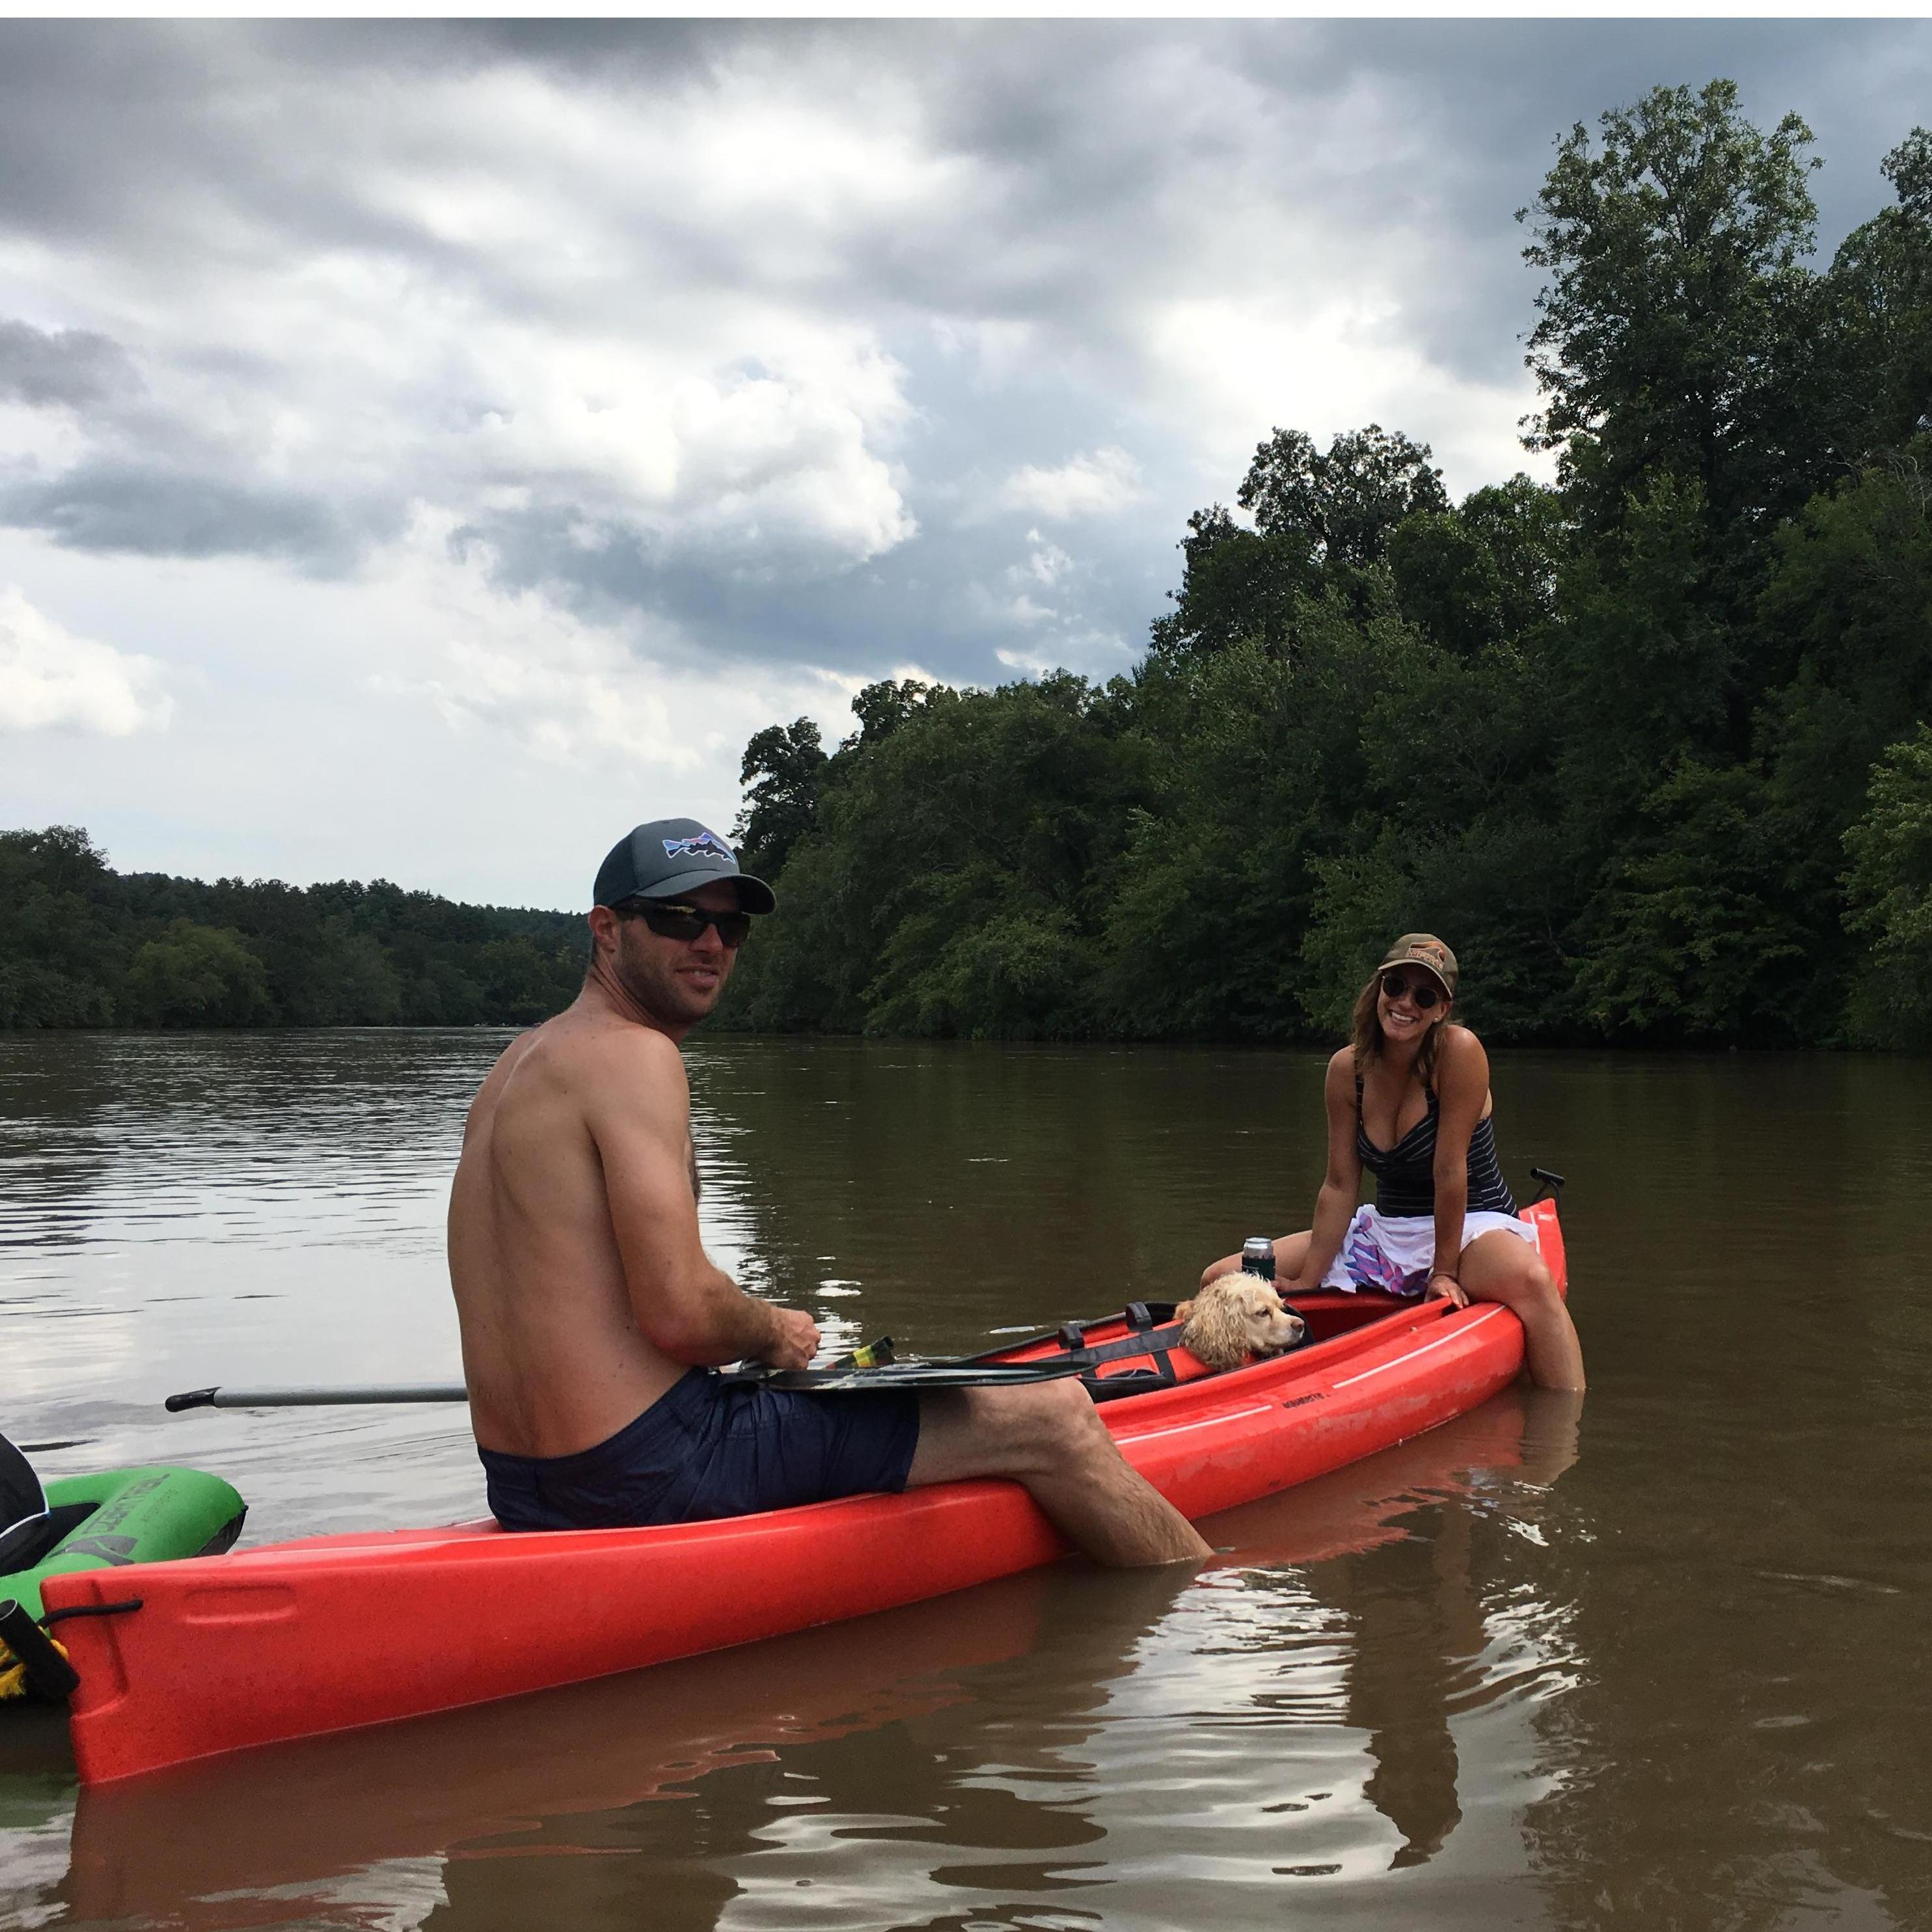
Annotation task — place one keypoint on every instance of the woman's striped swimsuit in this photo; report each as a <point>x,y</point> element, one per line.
<point>1406,1173</point>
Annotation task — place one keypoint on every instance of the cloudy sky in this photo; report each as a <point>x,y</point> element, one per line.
<point>425,450</point>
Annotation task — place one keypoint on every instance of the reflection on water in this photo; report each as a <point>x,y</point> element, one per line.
<point>1663,1660</point>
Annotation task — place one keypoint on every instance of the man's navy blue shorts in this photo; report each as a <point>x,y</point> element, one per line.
<point>706,1448</point>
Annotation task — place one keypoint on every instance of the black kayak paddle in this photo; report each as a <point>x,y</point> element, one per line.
<point>870,1366</point>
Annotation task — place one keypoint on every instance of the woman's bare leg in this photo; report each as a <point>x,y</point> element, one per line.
<point>1500,1266</point>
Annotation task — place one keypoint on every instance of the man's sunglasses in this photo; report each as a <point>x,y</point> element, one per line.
<point>1424,992</point>
<point>670,919</point>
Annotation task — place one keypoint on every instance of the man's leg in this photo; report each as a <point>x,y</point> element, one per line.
<point>1049,1439</point>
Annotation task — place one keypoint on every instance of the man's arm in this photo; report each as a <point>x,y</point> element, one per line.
<point>639,1115</point>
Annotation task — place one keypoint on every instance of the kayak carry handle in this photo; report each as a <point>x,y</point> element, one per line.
<point>1552,1187</point>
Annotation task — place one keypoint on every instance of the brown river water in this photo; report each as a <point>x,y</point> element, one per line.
<point>1659,1659</point>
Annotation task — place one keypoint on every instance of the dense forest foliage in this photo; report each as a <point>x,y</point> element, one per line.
<point>1649,747</point>
<point>83,946</point>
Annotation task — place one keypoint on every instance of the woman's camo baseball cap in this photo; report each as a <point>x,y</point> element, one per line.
<point>1425,950</point>
<point>671,855</point>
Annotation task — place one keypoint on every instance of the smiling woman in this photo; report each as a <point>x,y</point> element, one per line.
<point>1409,1099</point>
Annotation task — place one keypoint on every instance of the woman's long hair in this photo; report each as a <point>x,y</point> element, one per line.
<point>1365,1033</point>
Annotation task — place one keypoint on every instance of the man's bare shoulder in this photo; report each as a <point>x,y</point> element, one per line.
<point>483,1108</point>
<point>599,1059</point>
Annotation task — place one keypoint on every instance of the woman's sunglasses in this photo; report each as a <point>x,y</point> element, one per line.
<point>1424,992</point>
<point>670,920</point>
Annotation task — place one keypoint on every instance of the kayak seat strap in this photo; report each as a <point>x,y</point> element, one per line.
<point>1152,1343</point>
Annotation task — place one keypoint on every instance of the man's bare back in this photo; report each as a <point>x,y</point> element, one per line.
<point>582,1287</point>
<point>552,1349</point>
<point>585,1299</point>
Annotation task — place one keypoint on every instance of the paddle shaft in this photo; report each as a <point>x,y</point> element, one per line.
<point>868,1354</point>
<point>316,1398</point>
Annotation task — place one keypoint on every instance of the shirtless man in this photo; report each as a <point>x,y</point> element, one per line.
<point>590,1314</point>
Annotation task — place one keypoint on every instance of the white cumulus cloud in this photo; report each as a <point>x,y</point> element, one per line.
<point>1095,484</point>
<point>51,679</point>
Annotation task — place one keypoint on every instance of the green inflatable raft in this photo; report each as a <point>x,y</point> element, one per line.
<point>106,1521</point>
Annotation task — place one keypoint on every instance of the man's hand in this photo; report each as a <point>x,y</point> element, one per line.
<point>795,1342</point>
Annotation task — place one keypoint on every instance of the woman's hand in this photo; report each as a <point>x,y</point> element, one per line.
<point>1446,1288</point>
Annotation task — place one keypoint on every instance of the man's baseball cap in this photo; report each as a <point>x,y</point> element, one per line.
<point>1425,950</point>
<point>671,855</point>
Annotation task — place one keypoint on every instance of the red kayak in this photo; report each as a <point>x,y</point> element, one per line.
<point>328,1633</point>
<point>141,1845</point>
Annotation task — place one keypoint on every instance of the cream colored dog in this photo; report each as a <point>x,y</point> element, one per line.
<point>1234,1317</point>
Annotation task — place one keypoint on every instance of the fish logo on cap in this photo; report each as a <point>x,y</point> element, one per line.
<point>705,845</point>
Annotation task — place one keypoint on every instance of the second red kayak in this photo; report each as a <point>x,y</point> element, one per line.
<point>296,1639</point>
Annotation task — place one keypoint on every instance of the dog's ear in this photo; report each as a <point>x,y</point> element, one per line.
<point>1217,1330</point>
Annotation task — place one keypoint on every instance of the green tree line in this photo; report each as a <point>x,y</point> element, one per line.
<point>84,945</point>
<point>1649,745</point>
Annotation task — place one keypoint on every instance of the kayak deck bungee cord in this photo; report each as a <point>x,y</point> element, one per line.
<point>329,1634</point>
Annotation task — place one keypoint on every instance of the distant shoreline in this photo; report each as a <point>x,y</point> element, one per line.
<point>91,948</point>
